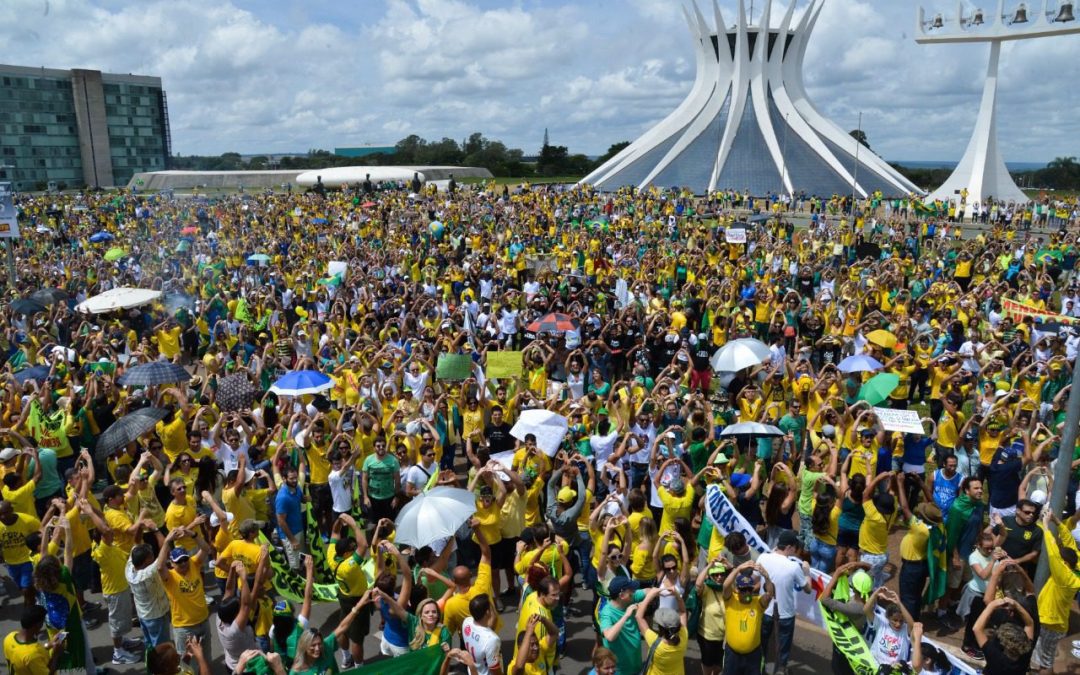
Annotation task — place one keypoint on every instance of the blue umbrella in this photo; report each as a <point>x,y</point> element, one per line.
<point>858,363</point>
<point>99,237</point>
<point>299,382</point>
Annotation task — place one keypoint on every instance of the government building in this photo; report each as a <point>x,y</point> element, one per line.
<point>65,129</point>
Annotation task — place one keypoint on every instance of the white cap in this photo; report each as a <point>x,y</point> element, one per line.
<point>216,522</point>
<point>1038,496</point>
<point>8,454</point>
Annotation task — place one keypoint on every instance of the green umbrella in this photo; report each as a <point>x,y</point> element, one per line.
<point>878,388</point>
<point>115,254</point>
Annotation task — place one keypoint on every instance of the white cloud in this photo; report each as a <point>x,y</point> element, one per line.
<point>277,75</point>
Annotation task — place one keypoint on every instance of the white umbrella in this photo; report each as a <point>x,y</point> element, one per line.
<point>434,515</point>
<point>751,429</point>
<point>118,298</point>
<point>739,354</point>
<point>548,427</point>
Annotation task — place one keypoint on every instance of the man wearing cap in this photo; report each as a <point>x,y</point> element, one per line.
<point>184,586</point>
<point>922,553</point>
<point>789,575</point>
<point>565,506</point>
<point>744,612</point>
<point>851,605</point>
<point>618,628</point>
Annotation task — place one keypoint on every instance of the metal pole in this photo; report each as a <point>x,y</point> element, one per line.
<point>855,178</point>
<point>1063,466</point>
<point>783,164</point>
<point>10,246</point>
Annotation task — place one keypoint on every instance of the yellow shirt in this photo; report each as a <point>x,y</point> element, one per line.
<point>26,658</point>
<point>21,498</point>
<point>111,559</point>
<point>179,515</point>
<point>186,595</point>
<point>120,522</point>
<point>988,445</point>
<point>641,565</point>
<point>1059,592</point>
<point>13,538</point>
<point>240,506</point>
<point>318,463</point>
<point>246,552</point>
<point>675,507</point>
<point>457,605</point>
<point>913,545</point>
<point>667,659</point>
<point>949,430</point>
<point>169,342</point>
<point>529,607</point>
<point>742,623</point>
<point>348,572</point>
<point>512,516</point>
<point>489,522</point>
<point>173,436</point>
<point>874,533</point>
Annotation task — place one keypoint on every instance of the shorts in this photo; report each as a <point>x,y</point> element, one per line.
<point>390,650</point>
<point>23,574</point>
<point>361,625</point>
<point>1046,647</point>
<point>847,539</point>
<point>712,652</point>
<point>503,553</point>
<point>1008,512</point>
<point>82,571</point>
<point>120,606</point>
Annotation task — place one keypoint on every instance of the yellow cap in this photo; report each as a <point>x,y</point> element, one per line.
<point>567,494</point>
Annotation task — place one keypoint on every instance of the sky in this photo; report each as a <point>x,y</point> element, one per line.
<point>255,76</point>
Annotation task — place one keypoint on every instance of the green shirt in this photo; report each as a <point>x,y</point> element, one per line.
<point>380,473</point>
<point>326,664</point>
<point>627,646</point>
<point>807,481</point>
<point>699,455</point>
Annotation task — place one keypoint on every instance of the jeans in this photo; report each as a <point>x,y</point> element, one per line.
<point>156,631</point>
<point>822,556</point>
<point>584,547</point>
<point>877,564</point>
<point>785,635</point>
<point>913,575</point>
<point>201,632</point>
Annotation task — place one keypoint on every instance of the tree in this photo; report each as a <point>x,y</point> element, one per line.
<point>860,136</point>
<point>612,151</point>
<point>553,160</point>
<point>408,149</point>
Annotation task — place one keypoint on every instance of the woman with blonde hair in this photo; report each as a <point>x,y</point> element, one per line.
<point>316,654</point>
<point>641,560</point>
<point>426,626</point>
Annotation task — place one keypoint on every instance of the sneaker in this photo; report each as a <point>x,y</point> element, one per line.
<point>122,656</point>
<point>1076,644</point>
<point>132,644</point>
<point>1076,652</point>
<point>348,662</point>
<point>975,654</point>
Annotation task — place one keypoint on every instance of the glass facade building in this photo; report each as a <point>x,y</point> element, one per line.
<point>79,128</point>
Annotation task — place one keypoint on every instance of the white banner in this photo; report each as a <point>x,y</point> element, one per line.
<point>9,223</point>
<point>726,519</point>
<point>735,235</point>
<point>906,421</point>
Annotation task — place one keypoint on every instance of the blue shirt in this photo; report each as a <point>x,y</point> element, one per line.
<point>290,504</point>
<point>395,630</point>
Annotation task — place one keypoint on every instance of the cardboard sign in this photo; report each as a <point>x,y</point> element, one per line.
<point>906,421</point>
<point>735,235</point>
<point>504,364</point>
<point>453,367</point>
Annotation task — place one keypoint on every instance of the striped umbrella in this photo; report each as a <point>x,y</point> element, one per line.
<point>554,322</point>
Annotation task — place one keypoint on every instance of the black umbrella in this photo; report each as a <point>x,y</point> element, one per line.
<point>154,373</point>
<point>49,296</point>
<point>27,306</point>
<point>127,429</point>
<point>236,392</point>
<point>36,373</point>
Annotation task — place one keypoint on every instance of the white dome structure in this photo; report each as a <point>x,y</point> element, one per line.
<point>748,124</point>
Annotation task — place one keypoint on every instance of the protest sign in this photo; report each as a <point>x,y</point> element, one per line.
<point>453,367</point>
<point>906,421</point>
<point>504,364</point>
<point>735,235</point>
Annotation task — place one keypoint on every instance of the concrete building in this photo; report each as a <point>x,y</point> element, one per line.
<point>748,123</point>
<point>80,128</point>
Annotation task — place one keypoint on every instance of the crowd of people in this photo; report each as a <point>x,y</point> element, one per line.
<point>617,304</point>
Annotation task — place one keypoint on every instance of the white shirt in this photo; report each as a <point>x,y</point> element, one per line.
<point>889,646</point>
<point>151,602</point>
<point>418,476</point>
<point>341,489</point>
<point>483,645</point>
<point>788,578</point>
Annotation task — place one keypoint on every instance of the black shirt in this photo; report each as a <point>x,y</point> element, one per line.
<point>1021,540</point>
<point>499,438</point>
<point>997,663</point>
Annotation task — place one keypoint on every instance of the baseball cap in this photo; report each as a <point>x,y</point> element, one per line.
<point>863,583</point>
<point>745,581</point>
<point>8,454</point>
<point>719,567</point>
<point>678,486</point>
<point>178,554</point>
<point>283,608</point>
<point>216,522</point>
<point>620,584</point>
<point>566,495</point>
<point>740,480</point>
<point>828,430</point>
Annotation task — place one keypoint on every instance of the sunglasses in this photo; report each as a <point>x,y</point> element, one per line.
<point>670,570</point>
